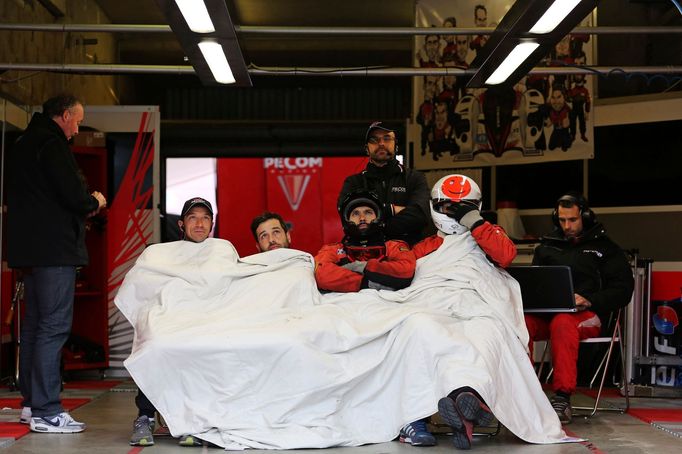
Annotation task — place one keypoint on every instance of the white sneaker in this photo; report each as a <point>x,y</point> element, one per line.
<point>62,423</point>
<point>25,417</point>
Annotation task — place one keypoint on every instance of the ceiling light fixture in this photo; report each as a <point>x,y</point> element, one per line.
<point>217,61</point>
<point>196,15</point>
<point>211,45</point>
<point>553,16</point>
<point>517,56</point>
<point>526,34</point>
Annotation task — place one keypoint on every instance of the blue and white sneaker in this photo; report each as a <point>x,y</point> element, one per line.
<point>415,433</point>
<point>61,423</point>
<point>25,417</point>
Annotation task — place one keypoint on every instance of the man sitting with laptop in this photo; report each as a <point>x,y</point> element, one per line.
<point>602,282</point>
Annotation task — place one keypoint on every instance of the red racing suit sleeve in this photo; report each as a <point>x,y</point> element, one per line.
<point>427,246</point>
<point>495,243</point>
<point>490,237</point>
<point>330,274</point>
<point>395,269</point>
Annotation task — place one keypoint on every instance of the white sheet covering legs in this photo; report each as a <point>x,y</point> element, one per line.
<point>245,352</point>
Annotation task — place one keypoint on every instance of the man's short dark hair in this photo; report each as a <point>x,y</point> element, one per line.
<point>57,105</point>
<point>266,216</point>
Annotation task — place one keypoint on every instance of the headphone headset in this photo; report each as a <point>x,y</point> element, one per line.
<point>587,215</point>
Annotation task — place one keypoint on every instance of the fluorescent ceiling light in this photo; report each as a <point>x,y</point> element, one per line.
<point>517,56</point>
<point>215,57</point>
<point>196,15</point>
<point>553,16</point>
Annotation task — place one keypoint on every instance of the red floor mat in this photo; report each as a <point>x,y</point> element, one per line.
<point>92,384</point>
<point>13,430</point>
<point>68,404</point>
<point>650,415</point>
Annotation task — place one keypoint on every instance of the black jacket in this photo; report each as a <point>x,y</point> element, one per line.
<point>395,185</point>
<point>47,199</point>
<point>601,272</point>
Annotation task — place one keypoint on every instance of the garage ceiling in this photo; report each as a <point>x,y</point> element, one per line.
<point>278,50</point>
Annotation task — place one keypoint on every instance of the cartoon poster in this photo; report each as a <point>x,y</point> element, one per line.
<point>542,118</point>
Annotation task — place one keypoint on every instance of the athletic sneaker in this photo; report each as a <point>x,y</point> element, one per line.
<point>61,423</point>
<point>143,431</point>
<point>562,407</point>
<point>416,434</point>
<point>473,409</point>
<point>462,413</point>
<point>25,417</point>
<point>190,440</point>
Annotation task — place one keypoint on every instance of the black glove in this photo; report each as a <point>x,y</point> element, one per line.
<point>457,210</point>
<point>466,214</point>
<point>378,286</point>
<point>471,220</point>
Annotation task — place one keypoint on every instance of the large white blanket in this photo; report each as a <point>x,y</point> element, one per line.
<point>246,352</point>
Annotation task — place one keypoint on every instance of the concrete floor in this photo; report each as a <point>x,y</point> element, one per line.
<point>110,414</point>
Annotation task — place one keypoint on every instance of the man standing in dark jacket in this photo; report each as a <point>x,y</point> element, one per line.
<point>47,204</point>
<point>602,281</point>
<point>403,192</point>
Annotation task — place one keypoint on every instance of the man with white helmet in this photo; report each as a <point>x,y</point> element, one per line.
<point>455,210</point>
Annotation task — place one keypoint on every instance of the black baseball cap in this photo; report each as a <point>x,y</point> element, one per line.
<point>195,201</point>
<point>374,126</point>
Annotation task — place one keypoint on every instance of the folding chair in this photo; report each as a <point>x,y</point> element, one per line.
<point>616,337</point>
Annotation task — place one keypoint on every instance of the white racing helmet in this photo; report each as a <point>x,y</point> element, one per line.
<point>448,193</point>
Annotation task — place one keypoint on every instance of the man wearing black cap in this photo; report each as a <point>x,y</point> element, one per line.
<point>196,223</point>
<point>196,219</point>
<point>403,193</point>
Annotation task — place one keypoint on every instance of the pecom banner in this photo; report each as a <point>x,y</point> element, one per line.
<point>303,190</point>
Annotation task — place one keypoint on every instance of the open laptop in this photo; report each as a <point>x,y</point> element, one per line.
<point>545,288</point>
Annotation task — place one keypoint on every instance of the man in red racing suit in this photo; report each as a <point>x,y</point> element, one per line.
<point>363,259</point>
<point>455,210</point>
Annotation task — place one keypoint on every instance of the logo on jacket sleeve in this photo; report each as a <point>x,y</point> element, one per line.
<point>399,189</point>
<point>593,251</point>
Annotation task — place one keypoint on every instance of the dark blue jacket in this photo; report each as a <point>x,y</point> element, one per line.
<point>600,270</point>
<point>47,199</point>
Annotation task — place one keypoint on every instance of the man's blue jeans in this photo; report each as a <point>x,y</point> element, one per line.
<point>48,294</point>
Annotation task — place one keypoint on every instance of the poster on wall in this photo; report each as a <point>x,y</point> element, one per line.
<point>542,118</point>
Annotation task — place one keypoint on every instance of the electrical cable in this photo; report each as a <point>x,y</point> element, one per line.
<point>670,80</point>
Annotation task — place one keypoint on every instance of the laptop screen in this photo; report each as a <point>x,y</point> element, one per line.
<point>545,288</point>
